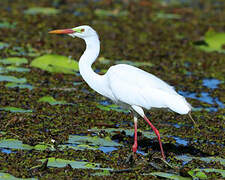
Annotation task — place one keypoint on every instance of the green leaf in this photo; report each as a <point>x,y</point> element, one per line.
<point>12,79</point>
<point>15,110</point>
<point>14,144</point>
<point>21,86</point>
<point>188,158</point>
<point>7,25</point>
<point>169,176</point>
<point>42,10</point>
<point>92,141</point>
<point>3,45</point>
<point>102,173</point>
<point>115,13</point>
<point>51,100</point>
<point>110,107</point>
<point>56,64</point>
<point>6,176</point>
<point>214,41</point>
<point>14,60</point>
<point>56,162</point>
<point>17,69</point>
<point>163,15</point>
<point>199,173</point>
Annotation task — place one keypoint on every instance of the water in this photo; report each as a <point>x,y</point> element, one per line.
<point>107,149</point>
<point>205,97</point>
<point>7,151</point>
<point>211,83</point>
<point>180,141</point>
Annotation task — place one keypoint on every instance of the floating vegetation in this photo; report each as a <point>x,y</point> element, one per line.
<point>162,15</point>
<point>201,173</point>
<point>86,142</point>
<point>188,158</point>
<point>17,144</point>
<point>42,10</point>
<point>23,51</point>
<point>16,69</point>
<point>57,162</point>
<point>3,45</point>
<point>52,101</point>
<point>13,144</point>
<point>213,41</point>
<point>15,110</point>
<point>14,60</point>
<point>110,107</point>
<point>169,176</point>
<point>7,176</point>
<point>21,86</point>
<point>7,25</point>
<point>153,35</point>
<point>56,64</point>
<point>12,79</point>
<point>114,13</point>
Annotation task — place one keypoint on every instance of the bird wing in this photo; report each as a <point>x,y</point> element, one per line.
<point>134,86</point>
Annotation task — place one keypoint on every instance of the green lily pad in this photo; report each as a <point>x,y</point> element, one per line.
<point>78,147</point>
<point>51,100</point>
<point>113,107</point>
<point>14,144</point>
<point>56,162</point>
<point>42,10</point>
<point>23,51</point>
<point>21,86</point>
<point>3,45</point>
<point>162,15</point>
<point>56,64</point>
<point>17,69</point>
<point>213,41</point>
<point>7,25</point>
<point>102,173</point>
<point>187,158</point>
<point>199,173</point>
<point>92,141</point>
<point>77,83</point>
<point>169,176</point>
<point>115,13</point>
<point>12,79</point>
<point>15,110</point>
<point>2,132</point>
<point>103,60</point>
<point>7,176</point>
<point>14,60</point>
<point>17,144</point>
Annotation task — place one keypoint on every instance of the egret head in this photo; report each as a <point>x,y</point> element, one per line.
<point>82,32</point>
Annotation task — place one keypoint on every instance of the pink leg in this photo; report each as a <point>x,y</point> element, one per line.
<point>135,136</point>
<point>157,134</point>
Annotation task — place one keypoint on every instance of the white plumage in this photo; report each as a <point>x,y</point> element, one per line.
<point>134,86</point>
<point>128,86</point>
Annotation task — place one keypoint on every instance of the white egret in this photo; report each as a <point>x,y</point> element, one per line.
<point>127,86</point>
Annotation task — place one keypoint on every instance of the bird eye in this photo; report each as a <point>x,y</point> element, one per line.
<point>82,30</point>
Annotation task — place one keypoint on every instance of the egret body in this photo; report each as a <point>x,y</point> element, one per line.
<point>127,86</point>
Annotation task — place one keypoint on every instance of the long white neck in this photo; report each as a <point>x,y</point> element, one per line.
<point>94,80</point>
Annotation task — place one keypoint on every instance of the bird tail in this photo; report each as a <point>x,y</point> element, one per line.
<point>178,104</point>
